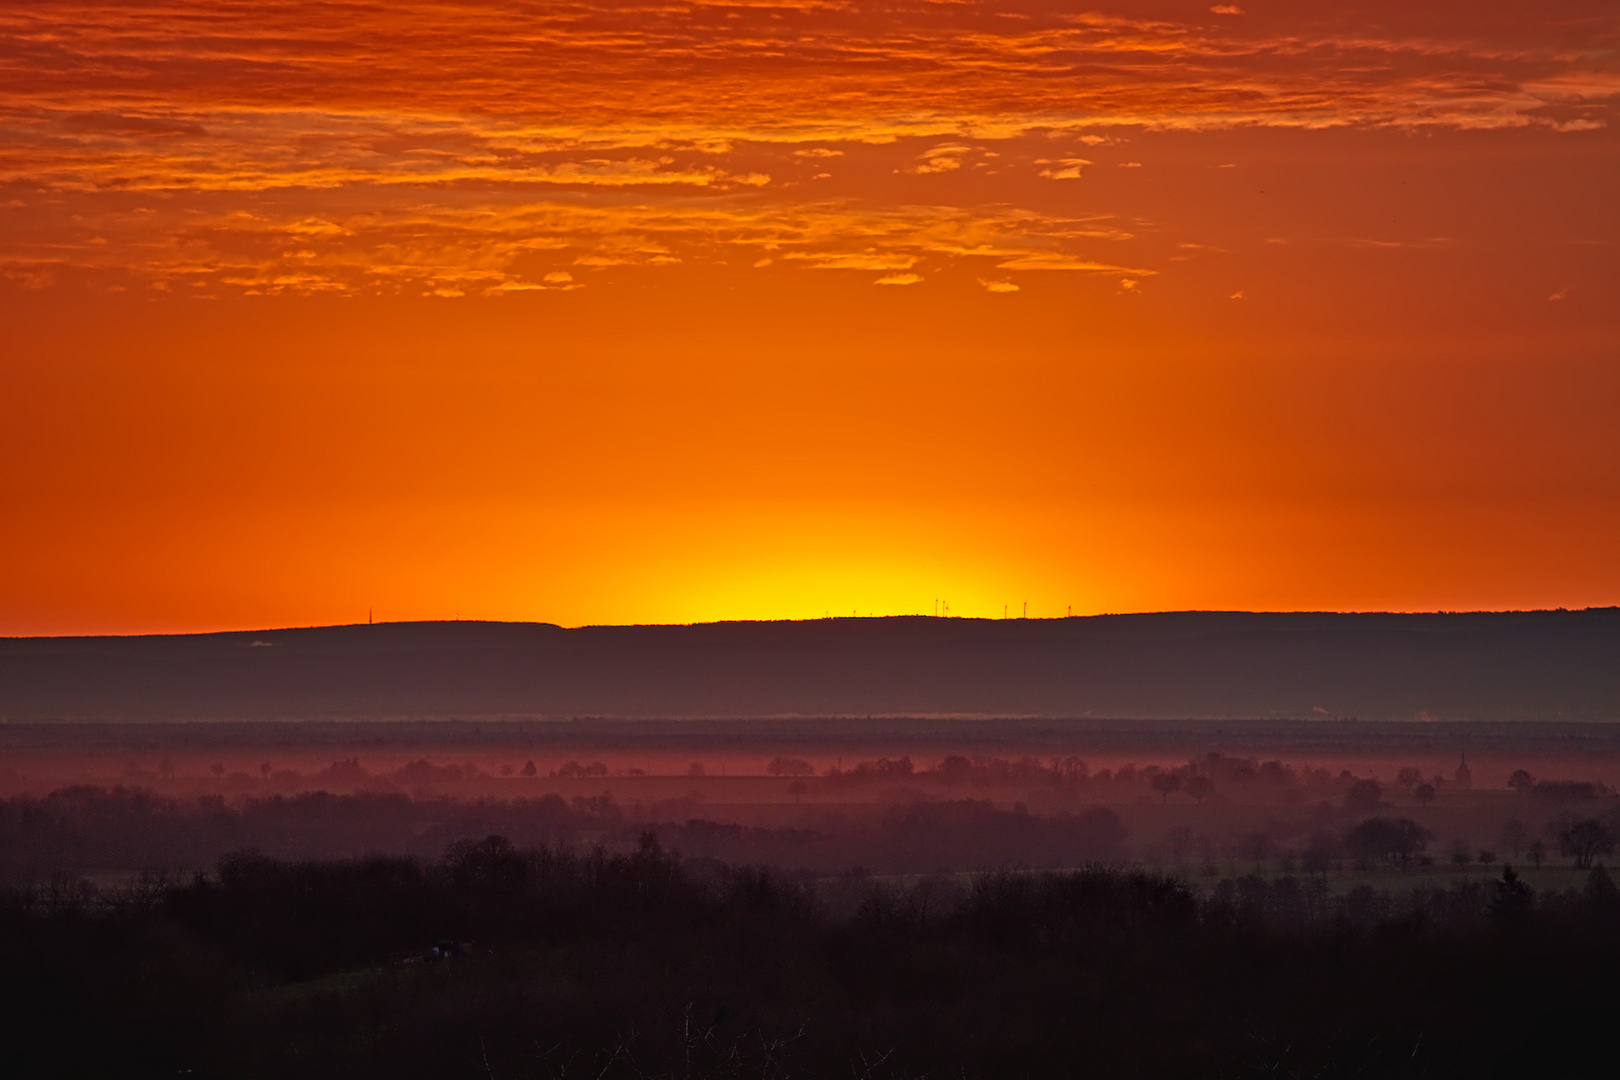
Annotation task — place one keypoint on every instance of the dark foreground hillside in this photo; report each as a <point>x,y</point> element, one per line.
<point>1507,666</point>
<point>495,962</point>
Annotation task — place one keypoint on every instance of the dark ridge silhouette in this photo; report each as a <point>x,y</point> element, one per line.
<point>1540,665</point>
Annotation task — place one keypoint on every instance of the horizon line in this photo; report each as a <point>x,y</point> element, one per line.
<point>1370,612</point>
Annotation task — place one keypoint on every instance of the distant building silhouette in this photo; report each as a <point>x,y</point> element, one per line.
<point>1465,777</point>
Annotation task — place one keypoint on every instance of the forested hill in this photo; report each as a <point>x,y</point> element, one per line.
<point>1517,665</point>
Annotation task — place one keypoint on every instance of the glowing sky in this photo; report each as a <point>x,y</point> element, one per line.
<point>608,312</point>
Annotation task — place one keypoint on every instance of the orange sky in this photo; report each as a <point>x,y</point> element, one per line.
<point>608,312</point>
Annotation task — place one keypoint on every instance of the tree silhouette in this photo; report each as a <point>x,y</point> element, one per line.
<point>1423,794</point>
<point>1390,840</point>
<point>1585,841</point>
<point>1600,890</point>
<point>1200,788</point>
<point>1521,781</point>
<point>1165,783</point>
<point>1512,901</point>
<point>1364,795</point>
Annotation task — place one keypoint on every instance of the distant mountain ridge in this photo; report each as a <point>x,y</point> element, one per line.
<point>1218,665</point>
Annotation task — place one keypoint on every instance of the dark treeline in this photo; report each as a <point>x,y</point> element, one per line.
<point>494,961</point>
<point>991,771</point>
<point>86,829</point>
<point>1239,774</point>
<point>916,838</point>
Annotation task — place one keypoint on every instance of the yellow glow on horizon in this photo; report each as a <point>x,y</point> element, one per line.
<point>822,562</point>
<point>598,313</point>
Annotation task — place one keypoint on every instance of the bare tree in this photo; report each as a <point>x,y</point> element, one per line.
<point>1585,841</point>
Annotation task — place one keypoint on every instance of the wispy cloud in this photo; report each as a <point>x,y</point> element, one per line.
<point>1052,260</point>
<point>940,159</point>
<point>476,243</point>
<point>295,145</point>
<point>1063,168</point>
